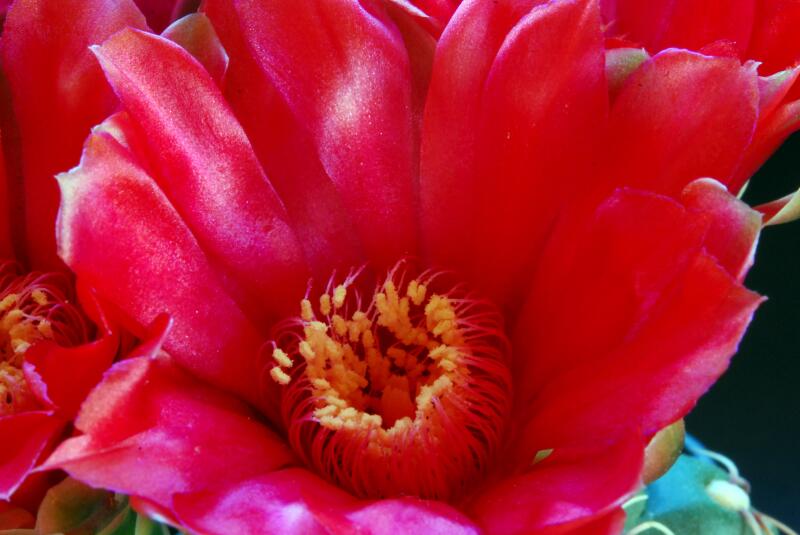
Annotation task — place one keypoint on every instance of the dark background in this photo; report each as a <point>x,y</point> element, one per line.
<point>753,413</point>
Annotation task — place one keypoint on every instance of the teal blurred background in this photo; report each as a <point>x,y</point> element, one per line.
<point>753,413</point>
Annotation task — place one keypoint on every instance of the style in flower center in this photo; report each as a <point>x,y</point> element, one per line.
<point>32,308</point>
<point>404,394</point>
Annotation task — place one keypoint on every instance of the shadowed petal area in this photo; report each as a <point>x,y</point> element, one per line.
<point>25,438</point>
<point>160,13</point>
<point>204,163</point>
<point>119,233</point>
<point>631,318</point>
<point>692,24</point>
<point>564,492</point>
<point>295,501</point>
<point>59,93</point>
<point>150,430</point>
<point>679,117</point>
<point>344,73</point>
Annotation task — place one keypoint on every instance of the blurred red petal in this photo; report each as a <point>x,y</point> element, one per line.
<point>58,92</point>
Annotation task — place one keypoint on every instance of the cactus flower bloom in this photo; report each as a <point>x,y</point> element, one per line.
<point>441,273</point>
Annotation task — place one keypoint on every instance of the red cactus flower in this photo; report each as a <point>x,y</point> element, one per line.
<point>519,274</point>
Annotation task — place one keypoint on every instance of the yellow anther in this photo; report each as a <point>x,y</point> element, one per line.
<point>339,325</point>
<point>327,410</point>
<point>39,297</point>
<point>416,292</point>
<point>339,295</point>
<point>7,302</point>
<point>282,358</point>
<point>279,376</point>
<point>325,304</point>
<point>306,312</point>
<point>305,351</point>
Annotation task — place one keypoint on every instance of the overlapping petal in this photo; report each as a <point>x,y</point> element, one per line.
<point>58,94</point>
<point>345,77</point>
<point>152,431</point>
<point>659,315</point>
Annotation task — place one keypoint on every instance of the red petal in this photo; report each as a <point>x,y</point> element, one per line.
<point>733,234</point>
<point>25,438</point>
<point>692,24</point>
<point>295,501</point>
<point>772,131</point>
<point>569,489</point>
<point>657,318</point>
<point>537,136</point>
<point>775,41</point>
<point>119,233</point>
<point>679,117</point>
<point>287,153</point>
<point>65,375</point>
<point>448,185</point>
<point>196,34</point>
<point>346,78</point>
<point>410,515</point>
<point>152,431</point>
<point>58,93</point>
<point>290,502</point>
<point>12,517</point>
<point>205,165</point>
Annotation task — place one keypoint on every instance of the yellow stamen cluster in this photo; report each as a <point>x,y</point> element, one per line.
<point>361,385</point>
<point>18,331</point>
<point>415,376</point>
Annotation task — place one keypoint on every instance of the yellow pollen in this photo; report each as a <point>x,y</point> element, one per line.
<point>279,376</point>
<point>7,302</point>
<point>325,304</point>
<point>282,358</point>
<point>306,311</point>
<point>39,296</point>
<point>339,295</point>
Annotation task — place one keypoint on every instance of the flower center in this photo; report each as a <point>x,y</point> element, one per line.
<point>33,307</point>
<point>406,394</point>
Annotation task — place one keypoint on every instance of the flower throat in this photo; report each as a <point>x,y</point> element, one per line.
<point>404,394</point>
